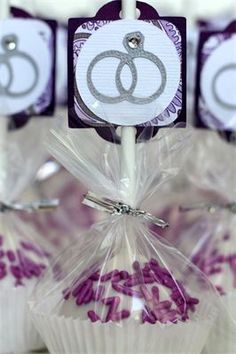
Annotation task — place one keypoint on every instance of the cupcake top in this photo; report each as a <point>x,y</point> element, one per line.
<point>20,262</point>
<point>146,292</point>
<point>218,262</point>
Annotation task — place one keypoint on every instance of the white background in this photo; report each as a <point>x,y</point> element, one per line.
<point>63,9</point>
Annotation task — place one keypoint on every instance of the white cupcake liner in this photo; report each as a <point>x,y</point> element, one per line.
<point>222,339</point>
<point>73,336</point>
<point>17,332</point>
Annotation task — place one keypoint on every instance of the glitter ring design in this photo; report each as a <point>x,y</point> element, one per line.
<point>229,106</point>
<point>9,44</point>
<point>134,44</point>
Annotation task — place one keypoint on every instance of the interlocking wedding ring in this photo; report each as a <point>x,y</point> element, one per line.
<point>9,44</point>
<point>218,99</point>
<point>134,44</point>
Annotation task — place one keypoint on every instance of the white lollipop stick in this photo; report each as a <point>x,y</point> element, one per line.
<point>128,134</point>
<point>4,14</point>
<point>4,9</point>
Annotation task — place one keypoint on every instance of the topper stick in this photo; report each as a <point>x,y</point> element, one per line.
<point>4,9</point>
<point>128,134</point>
<point>4,14</point>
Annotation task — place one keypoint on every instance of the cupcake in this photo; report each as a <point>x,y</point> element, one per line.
<point>21,264</point>
<point>124,292</point>
<point>218,262</point>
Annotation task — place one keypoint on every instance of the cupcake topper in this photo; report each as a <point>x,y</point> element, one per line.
<point>126,72</point>
<point>27,49</point>
<point>216,67</point>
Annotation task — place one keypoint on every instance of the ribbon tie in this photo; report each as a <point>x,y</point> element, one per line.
<point>119,208</point>
<point>42,205</point>
<point>210,207</point>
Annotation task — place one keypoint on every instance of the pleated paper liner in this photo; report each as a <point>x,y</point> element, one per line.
<point>222,339</point>
<point>74,336</point>
<point>17,331</point>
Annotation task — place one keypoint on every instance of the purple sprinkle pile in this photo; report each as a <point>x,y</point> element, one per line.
<point>212,263</point>
<point>19,264</point>
<point>142,284</point>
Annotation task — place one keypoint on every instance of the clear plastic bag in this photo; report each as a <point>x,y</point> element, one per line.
<point>22,259</point>
<point>60,227</point>
<point>121,289</point>
<point>206,233</point>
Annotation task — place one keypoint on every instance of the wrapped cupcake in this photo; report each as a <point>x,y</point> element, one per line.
<point>124,290</point>
<point>204,228</point>
<point>60,227</point>
<point>22,259</point>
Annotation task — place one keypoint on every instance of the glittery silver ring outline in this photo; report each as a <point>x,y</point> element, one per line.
<point>134,44</point>
<point>5,59</point>
<point>218,99</point>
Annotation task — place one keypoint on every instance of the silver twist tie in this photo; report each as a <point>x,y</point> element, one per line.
<point>9,44</point>
<point>210,207</point>
<point>134,44</point>
<point>119,208</point>
<point>42,205</point>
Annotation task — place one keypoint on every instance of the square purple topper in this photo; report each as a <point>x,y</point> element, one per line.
<point>215,105</point>
<point>80,29</point>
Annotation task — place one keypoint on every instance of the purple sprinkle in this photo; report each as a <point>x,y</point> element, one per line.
<point>124,275</point>
<point>126,291</point>
<point>168,282</point>
<point>2,253</point>
<point>146,273</point>
<point>16,272</point>
<point>95,276</point>
<point>133,281</point>
<point>66,294</point>
<point>89,296</point>
<point>171,316</point>
<point>193,301</point>
<point>226,237</point>
<point>164,305</point>
<point>120,315</point>
<point>84,291</point>
<point>113,303</point>
<point>220,290</point>
<point>109,275</point>
<point>148,316</point>
<point>215,259</point>
<point>155,294</point>
<point>3,273</point>
<point>78,289</point>
<point>215,271</point>
<point>2,265</point>
<point>11,256</point>
<point>153,262</point>
<point>175,296</point>
<point>148,280</point>
<point>137,267</point>
<point>33,248</point>
<point>146,294</point>
<point>93,316</point>
<point>116,278</point>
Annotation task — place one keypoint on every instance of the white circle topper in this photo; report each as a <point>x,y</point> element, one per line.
<point>128,72</point>
<point>25,63</point>
<point>218,83</point>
